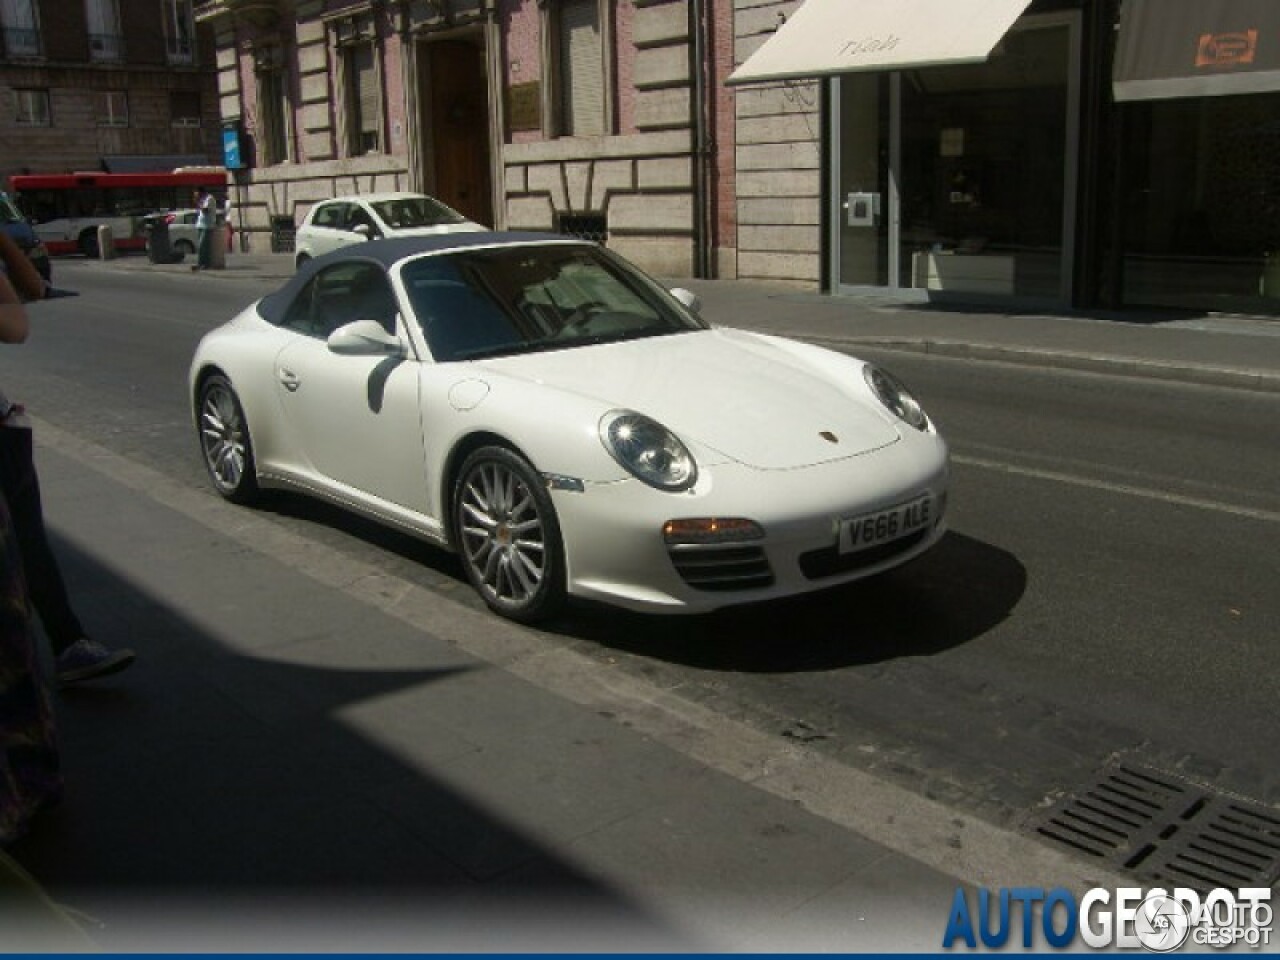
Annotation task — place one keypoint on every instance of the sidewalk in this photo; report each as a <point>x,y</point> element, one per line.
<point>312,756</point>
<point>1215,349</point>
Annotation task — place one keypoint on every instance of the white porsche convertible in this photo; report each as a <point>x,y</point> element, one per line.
<point>567,426</point>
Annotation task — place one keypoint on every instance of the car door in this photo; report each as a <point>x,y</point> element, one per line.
<point>327,228</point>
<point>357,419</point>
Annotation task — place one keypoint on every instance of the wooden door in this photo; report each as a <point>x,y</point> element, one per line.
<point>458,122</point>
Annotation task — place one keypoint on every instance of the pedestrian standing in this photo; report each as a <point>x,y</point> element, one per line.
<point>206,222</point>
<point>30,776</point>
<point>77,657</point>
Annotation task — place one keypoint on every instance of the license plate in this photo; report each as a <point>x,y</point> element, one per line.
<point>871,529</point>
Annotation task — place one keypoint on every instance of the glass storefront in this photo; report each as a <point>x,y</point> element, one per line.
<point>959,179</point>
<point>1200,221</point>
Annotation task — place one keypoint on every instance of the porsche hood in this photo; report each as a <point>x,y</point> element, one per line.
<point>747,397</point>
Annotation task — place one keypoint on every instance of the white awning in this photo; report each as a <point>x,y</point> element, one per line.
<point>845,36</point>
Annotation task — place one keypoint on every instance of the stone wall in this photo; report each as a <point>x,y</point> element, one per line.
<point>640,179</point>
<point>778,168</point>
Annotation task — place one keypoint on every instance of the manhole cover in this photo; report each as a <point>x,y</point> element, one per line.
<point>1168,830</point>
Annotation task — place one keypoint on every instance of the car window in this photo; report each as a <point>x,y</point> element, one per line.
<point>358,216</point>
<point>342,294</point>
<point>455,317</point>
<point>330,215</point>
<point>406,213</point>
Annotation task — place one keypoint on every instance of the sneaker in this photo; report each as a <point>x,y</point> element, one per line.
<point>86,659</point>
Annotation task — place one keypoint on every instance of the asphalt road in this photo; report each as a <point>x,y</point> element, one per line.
<point>1107,590</point>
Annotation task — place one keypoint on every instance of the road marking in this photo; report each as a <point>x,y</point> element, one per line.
<point>1147,493</point>
<point>969,849</point>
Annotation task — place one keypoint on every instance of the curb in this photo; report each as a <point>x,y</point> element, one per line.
<point>1256,380</point>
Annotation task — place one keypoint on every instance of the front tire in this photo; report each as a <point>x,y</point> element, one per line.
<point>225,441</point>
<point>508,536</point>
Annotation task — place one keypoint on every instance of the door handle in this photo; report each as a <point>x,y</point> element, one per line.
<point>289,380</point>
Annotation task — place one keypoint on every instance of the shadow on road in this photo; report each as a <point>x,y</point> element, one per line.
<point>951,595</point>
<point>301,767</point>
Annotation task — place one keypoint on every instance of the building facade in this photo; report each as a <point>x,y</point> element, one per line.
<point>1052,171</point>
<point>589,117</point>
<point>103,85</point>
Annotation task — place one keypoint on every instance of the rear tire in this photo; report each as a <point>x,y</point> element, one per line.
<point>508,536</point>
<point>89,245</point>
<point>224,441</point>
<point>183,248</point>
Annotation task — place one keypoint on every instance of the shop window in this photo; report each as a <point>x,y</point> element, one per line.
<point>31,108</point>
<point>20,25</point>
<point>179,30</point>
<point>364,128</point>
<point>581,67</point>
<point>112,108</point>
<point>105,41</point>
<point>184,108</point>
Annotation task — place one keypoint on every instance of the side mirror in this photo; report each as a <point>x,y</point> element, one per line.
<point>364,338</point>
<point>687,298</point>
<point>362,229</point>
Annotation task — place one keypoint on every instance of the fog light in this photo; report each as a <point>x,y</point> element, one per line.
<point>711,530</point>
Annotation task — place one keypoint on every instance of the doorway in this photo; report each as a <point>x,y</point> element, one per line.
<point>456,127</point>
<point>960,180</point>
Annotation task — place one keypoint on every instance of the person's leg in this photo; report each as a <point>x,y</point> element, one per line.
<point>29,765</point>
<point>45,586</point>
<point>76,656</point>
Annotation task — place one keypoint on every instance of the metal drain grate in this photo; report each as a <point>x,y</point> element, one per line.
<point>1168,830</point>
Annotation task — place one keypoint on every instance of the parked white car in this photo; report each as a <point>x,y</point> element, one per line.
<point>568,427</point>
<point>184,236</point>
<point>332,224</point>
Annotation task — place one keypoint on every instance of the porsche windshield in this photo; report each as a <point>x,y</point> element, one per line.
<point>506,300</point>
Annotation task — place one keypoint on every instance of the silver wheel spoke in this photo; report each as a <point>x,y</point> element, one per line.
<point>502,535</point>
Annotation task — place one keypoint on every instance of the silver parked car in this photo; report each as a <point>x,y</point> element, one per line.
<point>332,224</point>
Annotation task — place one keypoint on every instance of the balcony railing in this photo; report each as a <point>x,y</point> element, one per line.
<point>21,43</point>
<point>106,46</point>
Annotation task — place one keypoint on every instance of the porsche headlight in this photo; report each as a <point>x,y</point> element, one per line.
<point>648,450</point>
<point>895,397</point>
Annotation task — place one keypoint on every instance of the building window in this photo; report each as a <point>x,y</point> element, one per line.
<point>272,132</point>
<point>31,108</point>
<point>113,108</point>
<point>21,28</point>
<point>179,30</point>
<point>105,41</point>
<point>184,108</point>
<point>364,131</point>
<point>581,55</point>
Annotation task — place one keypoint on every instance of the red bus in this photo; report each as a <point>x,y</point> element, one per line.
<point>66,209</point>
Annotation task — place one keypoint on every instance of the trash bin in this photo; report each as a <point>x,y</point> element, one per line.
<point>217,248</point>
<point>158,247</point>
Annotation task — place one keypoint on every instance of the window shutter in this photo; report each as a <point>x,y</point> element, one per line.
<point>366,78</point>
<point>582,68</point>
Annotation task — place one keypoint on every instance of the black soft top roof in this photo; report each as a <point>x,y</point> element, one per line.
<point>390,251</point>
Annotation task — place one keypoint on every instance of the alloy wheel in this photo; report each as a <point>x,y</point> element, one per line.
<point>224,439</point>
<point>502,533</point>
